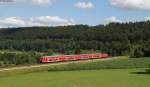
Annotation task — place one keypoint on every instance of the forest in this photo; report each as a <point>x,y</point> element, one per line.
<point>117,39</point>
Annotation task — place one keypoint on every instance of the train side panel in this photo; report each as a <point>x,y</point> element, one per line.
<point>50,59</point>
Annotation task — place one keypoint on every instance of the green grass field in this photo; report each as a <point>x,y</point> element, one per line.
<point>87,78</point>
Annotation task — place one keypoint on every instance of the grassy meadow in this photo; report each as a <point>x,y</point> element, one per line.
<point>118,63</point>
<point>87,78</point>
<point>119,72</point>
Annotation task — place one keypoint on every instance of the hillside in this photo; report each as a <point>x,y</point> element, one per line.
<point>114,38</point>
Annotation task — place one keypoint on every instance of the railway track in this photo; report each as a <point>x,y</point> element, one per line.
<point>50,64</point>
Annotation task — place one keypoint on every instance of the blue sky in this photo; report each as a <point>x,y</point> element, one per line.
<point>66,12</point>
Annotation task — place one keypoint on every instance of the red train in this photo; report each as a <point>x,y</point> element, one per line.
<point>52,59</point>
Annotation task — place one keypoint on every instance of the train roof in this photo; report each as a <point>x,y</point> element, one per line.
<point>73,55</point>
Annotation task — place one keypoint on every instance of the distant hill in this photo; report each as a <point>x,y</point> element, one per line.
<point>114,38</point>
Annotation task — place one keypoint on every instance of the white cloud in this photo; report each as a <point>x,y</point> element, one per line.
<point>147,18</point>
<point>6,1</point>
<point>12,21</point>
<point>112,19</point>
<point>35,21</point>
<point>131,4</point>
<point>84,5</point>
<point>33,2</point>
<point>42,2</point>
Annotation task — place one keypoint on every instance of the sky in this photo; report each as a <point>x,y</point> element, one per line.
<point>26,13</point>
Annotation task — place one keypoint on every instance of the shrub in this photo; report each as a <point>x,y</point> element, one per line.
<point>9,59</point>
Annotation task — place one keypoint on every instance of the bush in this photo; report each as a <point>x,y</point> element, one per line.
<point>1,63</point>
<point>9,59</point>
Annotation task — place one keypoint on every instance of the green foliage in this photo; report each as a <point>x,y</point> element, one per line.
<point>13,59</point>
<point>90,51</point>
<point>78,51</point>
<point>49,52</point>
<point>115,38</point>
<point>137,51</point>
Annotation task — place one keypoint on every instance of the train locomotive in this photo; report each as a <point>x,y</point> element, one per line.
<point>53,59</point>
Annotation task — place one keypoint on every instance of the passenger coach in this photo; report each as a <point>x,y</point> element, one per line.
<point>51,59</point>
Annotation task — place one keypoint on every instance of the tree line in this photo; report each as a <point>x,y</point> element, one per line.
<point>115,38</point>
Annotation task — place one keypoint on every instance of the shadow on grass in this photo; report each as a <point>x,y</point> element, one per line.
<point>147,71</point>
